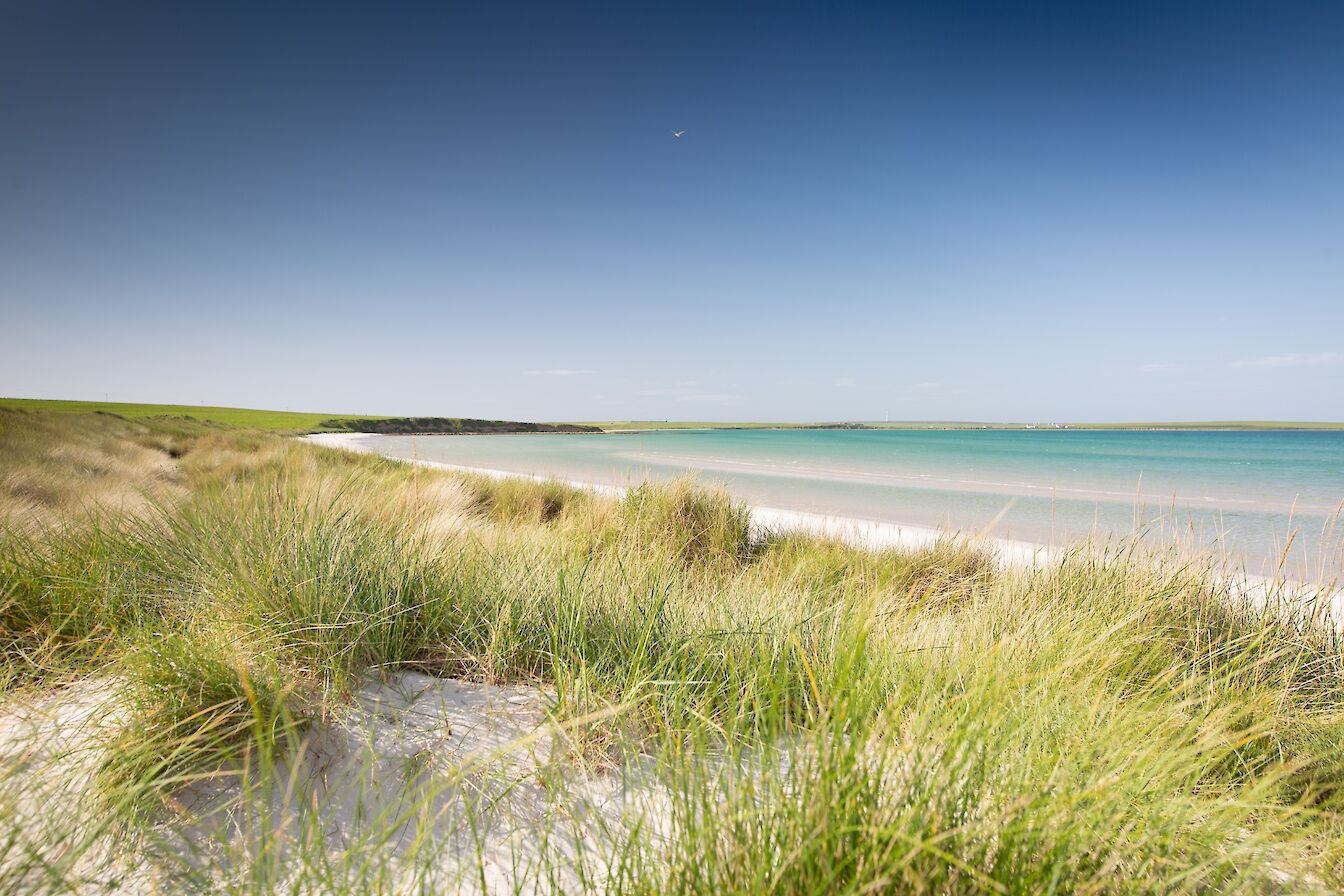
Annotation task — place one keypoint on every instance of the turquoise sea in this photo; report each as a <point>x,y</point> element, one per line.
<point>1241,493</point>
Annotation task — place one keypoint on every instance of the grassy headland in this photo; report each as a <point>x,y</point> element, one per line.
<point>250,418</point>
<point>289,421</point>
<point>446,426</point>
<point>815,718</point>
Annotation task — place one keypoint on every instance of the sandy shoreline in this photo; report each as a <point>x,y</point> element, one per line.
<point>874,535</point>
<point>858,532</point>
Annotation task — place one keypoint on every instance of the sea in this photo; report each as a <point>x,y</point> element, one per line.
<point>1267,499</point>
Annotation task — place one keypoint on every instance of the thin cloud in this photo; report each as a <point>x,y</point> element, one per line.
<point>1157,367</point>
<point>845,382</point>
<point>686,391</point>
<point>1316,359</point>
<point>712,396</point>
<point>560,371</point>
<point>664,389</point>
<point>925,388</point>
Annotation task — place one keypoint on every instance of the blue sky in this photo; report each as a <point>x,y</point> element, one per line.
<point>949,211</point>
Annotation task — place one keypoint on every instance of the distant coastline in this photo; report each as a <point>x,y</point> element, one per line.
<point>306,422</point>
<point>417,426</point>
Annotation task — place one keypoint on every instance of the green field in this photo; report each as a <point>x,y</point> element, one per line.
<point>275,421</point>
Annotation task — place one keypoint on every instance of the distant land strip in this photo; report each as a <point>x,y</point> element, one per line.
<point>302,422</point>
<point>446,426</point>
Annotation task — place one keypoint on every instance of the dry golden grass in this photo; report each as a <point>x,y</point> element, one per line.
<point>57,468</point>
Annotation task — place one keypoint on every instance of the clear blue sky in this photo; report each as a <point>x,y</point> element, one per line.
<point>956,211</point>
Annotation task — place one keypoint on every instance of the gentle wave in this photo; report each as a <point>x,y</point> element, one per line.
<point>1240,494</point>
<point>926,480</point>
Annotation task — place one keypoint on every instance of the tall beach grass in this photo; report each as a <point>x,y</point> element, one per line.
<point>778,714</point>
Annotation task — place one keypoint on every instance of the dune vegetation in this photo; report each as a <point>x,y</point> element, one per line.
<point>190,615</point>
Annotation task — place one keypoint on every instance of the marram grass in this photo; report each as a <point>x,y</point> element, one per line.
<point>818,719</point>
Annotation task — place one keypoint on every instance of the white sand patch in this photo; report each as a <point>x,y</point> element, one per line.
<point>456,785</point>
<point>51,746</point>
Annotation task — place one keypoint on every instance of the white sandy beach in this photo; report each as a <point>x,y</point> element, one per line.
<point>869,534</point>
<point>875,535</point>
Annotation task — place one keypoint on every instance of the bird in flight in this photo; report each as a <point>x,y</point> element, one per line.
<point>677,133</point>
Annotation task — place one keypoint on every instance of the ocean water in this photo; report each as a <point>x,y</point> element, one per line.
<point>1235,493</point>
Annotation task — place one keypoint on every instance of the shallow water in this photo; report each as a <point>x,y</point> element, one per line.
<point>1236,493</point>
